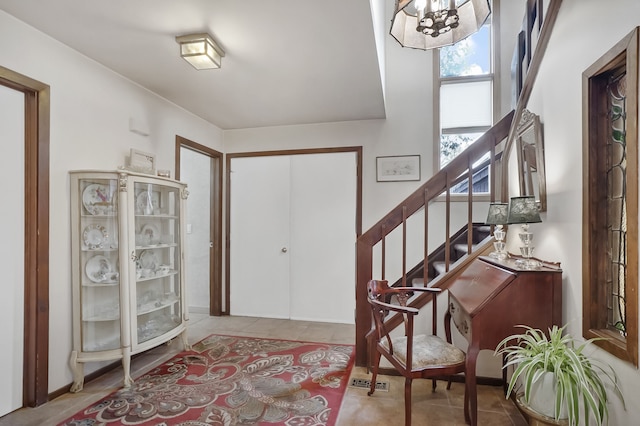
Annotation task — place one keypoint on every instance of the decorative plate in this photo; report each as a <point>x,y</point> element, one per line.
<point>99,270</point>
<point>94,236</point>
<point>150,234</point>
<point>149,260</point>
<point>147,202</point>
<point>97,199</point>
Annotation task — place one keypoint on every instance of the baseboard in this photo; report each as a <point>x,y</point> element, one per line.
<point>199,310</point>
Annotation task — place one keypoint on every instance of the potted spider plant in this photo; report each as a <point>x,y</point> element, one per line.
<point>556,366</point>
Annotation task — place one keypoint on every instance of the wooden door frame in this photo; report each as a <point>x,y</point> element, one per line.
<point>36,235</point>
<point>215,226</point>
<point>355,149</point>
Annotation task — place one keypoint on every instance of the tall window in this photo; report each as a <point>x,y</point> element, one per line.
<point>465,82</point>
<point>610,211</point>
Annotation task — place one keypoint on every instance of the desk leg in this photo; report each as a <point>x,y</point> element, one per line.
<point>471,392</point>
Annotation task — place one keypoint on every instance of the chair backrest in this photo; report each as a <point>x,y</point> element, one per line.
<point>380,298</point>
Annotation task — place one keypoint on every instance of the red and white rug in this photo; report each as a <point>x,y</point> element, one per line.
<point>228,380</point>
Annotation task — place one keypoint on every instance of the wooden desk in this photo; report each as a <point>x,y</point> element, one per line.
<point>491,297</point>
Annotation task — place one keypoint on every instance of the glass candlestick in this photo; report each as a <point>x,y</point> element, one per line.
<point>526,250</point>
<point>498,216</point>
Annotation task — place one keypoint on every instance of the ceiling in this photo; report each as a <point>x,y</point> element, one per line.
<point>287,62</point>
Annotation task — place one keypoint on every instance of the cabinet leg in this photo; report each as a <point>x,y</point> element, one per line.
<point>78,373</point>
<point>126,367</point>
<point>471,396</point>
<point>185,340</point>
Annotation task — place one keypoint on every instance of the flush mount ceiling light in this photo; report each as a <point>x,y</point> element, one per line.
<point>429,24</point>
<point>200,50</point>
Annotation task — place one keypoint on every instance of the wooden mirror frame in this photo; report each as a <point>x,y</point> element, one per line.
<point>530,151</point>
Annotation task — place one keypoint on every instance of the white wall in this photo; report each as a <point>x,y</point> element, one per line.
<point>557,98</point>
<point>90,111</point>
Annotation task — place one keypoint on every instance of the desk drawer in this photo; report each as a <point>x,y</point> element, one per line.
<point>460,318</point>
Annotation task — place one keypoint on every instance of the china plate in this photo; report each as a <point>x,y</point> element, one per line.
<point>94,236</point>
<point>150,234</point>
<point>97,199</point>
<point>147,202</point>
<point>99,270</point>
<point>149,260</point>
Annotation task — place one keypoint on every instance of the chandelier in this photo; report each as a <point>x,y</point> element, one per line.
<point>435,22</point>
<point>429,24</point>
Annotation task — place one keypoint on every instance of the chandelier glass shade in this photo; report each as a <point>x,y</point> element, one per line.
<point>429,24</point>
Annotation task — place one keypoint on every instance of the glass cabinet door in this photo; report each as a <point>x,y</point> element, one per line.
<point>99,267</point>
<point>157,260</point>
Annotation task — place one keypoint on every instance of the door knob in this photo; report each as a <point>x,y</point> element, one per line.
<point>284,249</point>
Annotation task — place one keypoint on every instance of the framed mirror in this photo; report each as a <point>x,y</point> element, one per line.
<point>530,150</point>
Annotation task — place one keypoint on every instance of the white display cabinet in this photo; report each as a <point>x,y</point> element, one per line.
<point>127,239</point>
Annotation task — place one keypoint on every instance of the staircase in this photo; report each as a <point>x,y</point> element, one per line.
<point>436,265</point>
<point>397,231</point>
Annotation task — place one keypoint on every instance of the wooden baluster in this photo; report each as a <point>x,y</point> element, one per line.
<point>447,240</point>
<point>384,251</point>
<point>404,246</point>
<point>425,264</point>
<point>470,208</point>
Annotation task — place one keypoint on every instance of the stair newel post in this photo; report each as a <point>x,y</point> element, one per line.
<point>447,240</point>
<point>426,237</point>
<point>404,246</point>
<point>384,251</point>
<point>364,272</point>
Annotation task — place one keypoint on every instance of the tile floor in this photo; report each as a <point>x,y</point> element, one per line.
<point>383,408</point>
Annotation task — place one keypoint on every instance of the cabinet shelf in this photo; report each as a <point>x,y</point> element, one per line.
<point>101,317</point>
<point>157,305</point>
<point>102,345</point>
<point>157,276</point>
<point>99,250</point>
<point>156,216</point>
<point>100,285</point>
<point>154,246</point>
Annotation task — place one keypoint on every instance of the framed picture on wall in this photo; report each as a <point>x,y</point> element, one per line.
<point>398,168</point>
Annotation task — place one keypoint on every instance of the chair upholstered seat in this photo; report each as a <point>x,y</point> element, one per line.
<point>427,351</point>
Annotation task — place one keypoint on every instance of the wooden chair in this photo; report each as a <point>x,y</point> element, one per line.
<point>413,356</point>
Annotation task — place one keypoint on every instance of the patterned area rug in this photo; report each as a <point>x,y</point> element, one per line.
<point>229,380</point>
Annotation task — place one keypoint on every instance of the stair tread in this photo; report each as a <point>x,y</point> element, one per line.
<point>463,247</point>
<point>440,267</point>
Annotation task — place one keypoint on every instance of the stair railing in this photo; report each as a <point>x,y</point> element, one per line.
<point>459,169</point>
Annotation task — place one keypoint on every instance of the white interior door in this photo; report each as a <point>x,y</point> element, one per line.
<point>195,170</point>
<point>12,248</point>
<point>323,237</point>
<point>259,237</point>
<point>293,236</point>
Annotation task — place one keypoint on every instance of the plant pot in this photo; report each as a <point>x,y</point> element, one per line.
<point>535,418</point>
<point>543,396</point>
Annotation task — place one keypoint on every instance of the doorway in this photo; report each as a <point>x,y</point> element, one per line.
<point>201,168</point>
<point>35,373</point>
<point>294,217</point>
<point>12,248</point>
